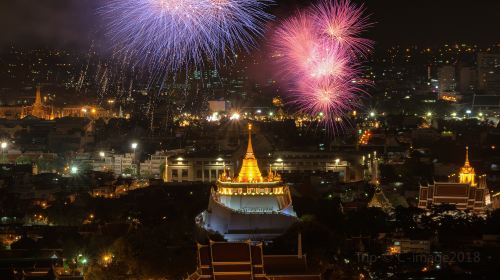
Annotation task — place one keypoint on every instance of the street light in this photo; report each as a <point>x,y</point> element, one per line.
<point>102,154</point>
<point>134,145</point>
<point>3,145</point>
<point>74,169</point>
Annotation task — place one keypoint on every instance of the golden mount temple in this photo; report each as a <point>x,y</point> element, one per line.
<point>462,191</point>
<point>249,206</point>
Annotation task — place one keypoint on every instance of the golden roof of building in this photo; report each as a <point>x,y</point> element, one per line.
<point>249,172</point>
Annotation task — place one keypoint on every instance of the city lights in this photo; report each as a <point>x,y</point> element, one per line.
<point>107,259</point>
<point>235,117</point>
<point>169,139</point>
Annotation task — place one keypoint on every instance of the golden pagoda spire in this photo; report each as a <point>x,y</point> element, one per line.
<point>249,153</point>
<point>467,174</point>
<point>38,96</point>
<point>37,110</point>
<point>466,156</point>
<point>249,171</point>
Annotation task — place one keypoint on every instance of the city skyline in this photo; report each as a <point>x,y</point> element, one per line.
<point>355,140</point>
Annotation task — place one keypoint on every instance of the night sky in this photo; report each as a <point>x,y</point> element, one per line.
<point>74,23</point>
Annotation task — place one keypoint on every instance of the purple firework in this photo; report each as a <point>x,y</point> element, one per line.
<point>174,34</point>
<point>320,53</point>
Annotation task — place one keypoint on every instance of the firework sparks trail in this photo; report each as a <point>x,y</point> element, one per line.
<point>341,22</point>
<point>320,53</point>
<point>170,35</point>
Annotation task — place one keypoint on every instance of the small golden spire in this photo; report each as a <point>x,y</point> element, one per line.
<point>38,96</point>
<point>467,174</point>
<point>467,156</point>
<point>249,147</point>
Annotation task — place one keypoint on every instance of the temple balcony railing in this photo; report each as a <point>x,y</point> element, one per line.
<point>284,201</point>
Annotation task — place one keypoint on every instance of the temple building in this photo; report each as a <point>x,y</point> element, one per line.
<point>245,260</point>
<point>378,200</point>
<point>38,109</point>
<point>466,192</point>
<point>249,206</point>
<point>43,111</point>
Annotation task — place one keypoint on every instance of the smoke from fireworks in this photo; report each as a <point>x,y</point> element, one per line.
<point>170,35</point>
<point>320,52</point>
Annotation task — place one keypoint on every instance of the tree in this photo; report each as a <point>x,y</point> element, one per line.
<point>23,160</point>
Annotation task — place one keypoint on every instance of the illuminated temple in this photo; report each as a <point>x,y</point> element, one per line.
<point>462,191</point>
<point>38,109</point>
<point>249,206</point>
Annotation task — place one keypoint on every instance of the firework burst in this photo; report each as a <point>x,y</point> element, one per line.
<point>341,22</point>
<point>320,54</point>
<point>169,35</point>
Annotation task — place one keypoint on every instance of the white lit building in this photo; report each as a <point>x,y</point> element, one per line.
<point>119,164</point>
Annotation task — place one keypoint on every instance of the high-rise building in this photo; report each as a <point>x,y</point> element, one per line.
<point>488,73</point>
<point>446,78</point>
<point>249,206</point>
<point>467,80</point>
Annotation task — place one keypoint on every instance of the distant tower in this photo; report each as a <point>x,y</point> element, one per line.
<point>165,171</point>
<point>467,174</point>
<point>374,170</point>
<point>379,200</point>
<point>38,106</point>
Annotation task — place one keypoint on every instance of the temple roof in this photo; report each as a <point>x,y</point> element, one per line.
<point>245,260</point>
<point>379,200</point>
<point>249,172</point>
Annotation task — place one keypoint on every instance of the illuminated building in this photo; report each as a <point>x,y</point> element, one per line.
<point>119,164</point>
<point>467,174</point>
<point>43,111</point>
<point>464,192</point>
<point>38,109</point>
<point>409,246</point>
<point>450,97</point>
<point>379,200</point>
<point>249,206</point>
